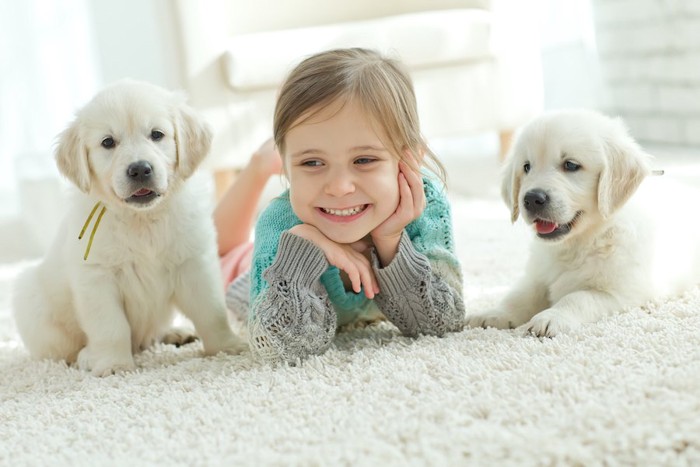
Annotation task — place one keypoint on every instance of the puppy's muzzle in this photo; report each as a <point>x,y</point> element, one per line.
<point>537,204</point>
<point>536,201</point>
<point>140,175</point>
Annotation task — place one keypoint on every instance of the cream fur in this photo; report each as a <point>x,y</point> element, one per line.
<point>147,257</point>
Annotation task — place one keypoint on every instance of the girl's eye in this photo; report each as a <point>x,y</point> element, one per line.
<point>364,160</point>
<point>108,143</point>
<point>157,135</point>
<point>571,166</point>
<point>526,167</point>
<point>311,163</point>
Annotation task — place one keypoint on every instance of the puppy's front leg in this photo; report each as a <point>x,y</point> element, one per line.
<point>572,310</point>
<point>200,297</point>
<point>522,303</point>
<point>102,318</point>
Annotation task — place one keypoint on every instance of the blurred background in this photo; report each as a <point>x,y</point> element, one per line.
<point>482,68</point>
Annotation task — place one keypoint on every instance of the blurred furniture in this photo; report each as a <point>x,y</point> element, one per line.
<point>475,64</point>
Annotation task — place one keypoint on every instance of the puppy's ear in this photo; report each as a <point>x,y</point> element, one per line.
<point>626,166</point>
<point>192,139</point>
<point>510,186</point>
<point>72,157</point>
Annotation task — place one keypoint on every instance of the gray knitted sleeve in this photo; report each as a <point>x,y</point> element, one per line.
<point>238,297</point>
<point>417,296</point>
<point>293,318</point>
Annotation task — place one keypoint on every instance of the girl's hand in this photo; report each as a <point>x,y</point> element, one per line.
<point>347,258</point>
<point>387,235</point>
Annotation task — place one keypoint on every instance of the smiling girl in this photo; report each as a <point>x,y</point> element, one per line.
<point>360,229</point>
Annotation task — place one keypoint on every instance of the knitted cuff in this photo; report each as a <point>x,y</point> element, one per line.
<point>406,269</point>
<point>298,260</point>
<point>238,296</point>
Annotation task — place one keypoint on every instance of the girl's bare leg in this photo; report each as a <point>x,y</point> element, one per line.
<point>236,210</point>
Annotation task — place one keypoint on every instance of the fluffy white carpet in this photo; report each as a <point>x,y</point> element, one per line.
<point>625,391</point>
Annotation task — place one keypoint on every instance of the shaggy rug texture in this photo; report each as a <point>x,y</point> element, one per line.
<point>624,391</point>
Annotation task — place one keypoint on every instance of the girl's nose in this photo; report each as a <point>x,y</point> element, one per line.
<point>339,183</point>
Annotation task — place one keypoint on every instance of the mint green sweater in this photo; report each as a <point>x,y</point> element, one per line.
<point>297,299</point>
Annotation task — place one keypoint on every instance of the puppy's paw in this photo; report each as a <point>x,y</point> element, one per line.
<point>362,323</point>
<point>104,365</point>
<point>232,345</point>
<point>179,337</point>
<point>550,323</point>
<point>491,319</point>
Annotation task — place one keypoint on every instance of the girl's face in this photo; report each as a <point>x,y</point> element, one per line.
<point>342,180</point>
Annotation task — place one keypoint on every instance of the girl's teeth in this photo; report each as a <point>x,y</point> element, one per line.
<point>343,212</point>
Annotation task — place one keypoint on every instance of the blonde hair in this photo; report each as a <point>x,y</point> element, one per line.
<point>380,85</point>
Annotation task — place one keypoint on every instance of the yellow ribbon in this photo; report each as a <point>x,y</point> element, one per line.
<point>94,227</point>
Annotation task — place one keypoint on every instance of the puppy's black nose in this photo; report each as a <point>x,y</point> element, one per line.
<point>139,171</point>
<point>535,200</point>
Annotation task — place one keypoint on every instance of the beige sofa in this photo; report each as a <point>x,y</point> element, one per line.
<point>475,64</point>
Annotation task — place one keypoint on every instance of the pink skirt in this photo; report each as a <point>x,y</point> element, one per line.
<point>236,262</point>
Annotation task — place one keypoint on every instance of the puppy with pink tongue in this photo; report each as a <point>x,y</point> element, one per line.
<point>608,236</point>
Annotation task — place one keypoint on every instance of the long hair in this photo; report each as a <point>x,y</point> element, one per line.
<point>380,85</point>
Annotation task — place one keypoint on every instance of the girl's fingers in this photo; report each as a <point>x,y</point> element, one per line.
<point>367,275</point>
<point>410,169</point>
<point>359,272</point>
<point>415,182</point>
<point>368,282</point>
<point>355,278</point>
<point>406,203</point>
<point>412,161</point>
<point>356,266</point>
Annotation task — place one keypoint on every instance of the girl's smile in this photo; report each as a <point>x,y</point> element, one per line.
<point>344,215</point>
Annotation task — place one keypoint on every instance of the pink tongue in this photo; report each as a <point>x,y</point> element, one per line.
<point>544,227</point>
<point>142,192</point>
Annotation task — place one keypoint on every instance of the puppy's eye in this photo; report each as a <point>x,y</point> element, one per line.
<point>108,143</point>
<point>526,167</point>
<point>571,166</point>
<point>157,135</point>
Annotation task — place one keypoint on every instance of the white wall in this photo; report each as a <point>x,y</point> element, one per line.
<point>46,73</point>
<point>571,71</point>
<point>136,39</point>
<point>650,56</point>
